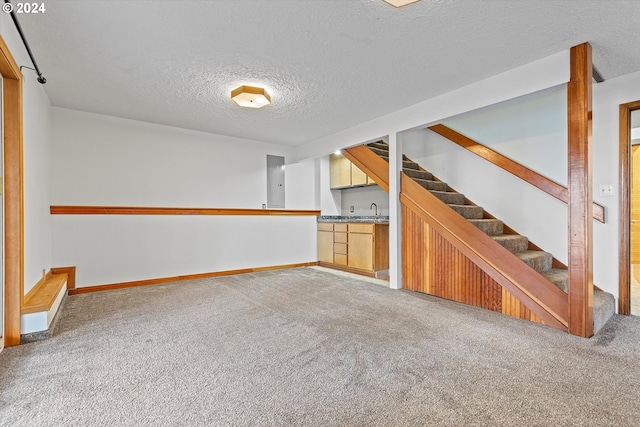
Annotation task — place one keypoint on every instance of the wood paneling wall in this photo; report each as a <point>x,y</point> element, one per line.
<point>434,266</point>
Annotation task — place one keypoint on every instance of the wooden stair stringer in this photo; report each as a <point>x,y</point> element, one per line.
<point>370,163</point>
<point>523,282</point>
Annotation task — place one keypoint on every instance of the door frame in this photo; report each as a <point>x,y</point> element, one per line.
<point>624,300</point>
<point>13,195</point>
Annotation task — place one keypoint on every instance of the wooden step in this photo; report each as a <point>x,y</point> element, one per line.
<point>42,296</point>
<point>492,227</point>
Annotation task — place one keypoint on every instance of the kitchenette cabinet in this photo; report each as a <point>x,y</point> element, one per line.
<point>358,247</point>
<point>344,174</point>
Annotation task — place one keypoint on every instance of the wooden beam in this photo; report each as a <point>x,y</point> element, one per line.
<point>580,192</point>
<point>13,195</point>
<point>144,210</point>
<point>532,177</point>
<point>370,163</point>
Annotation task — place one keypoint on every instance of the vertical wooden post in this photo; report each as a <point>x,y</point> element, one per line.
<point>580,193</point>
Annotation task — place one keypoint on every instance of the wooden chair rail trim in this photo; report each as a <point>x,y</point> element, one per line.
<point>142,210</point>
<point>533,290</point>
<point>160,280</point>
<point>42,296</point>
<point>541,182</point>
<point>370,163</point>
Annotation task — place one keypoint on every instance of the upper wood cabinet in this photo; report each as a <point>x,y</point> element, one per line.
<point>344,174</point>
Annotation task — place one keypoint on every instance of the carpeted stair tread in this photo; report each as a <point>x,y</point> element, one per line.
<point>380,152</point>
<point>379,145</point>
<point>558,277</point>
<point>384,153</point>
<point>538,260</point>
<point>514,243</point>
<point>468,211</point>
<point>449,197</point>
<point>432,185</point>
<point>492,227</point>
<point>604,307</point>
<point>418,174</point>
<point>406,164</point>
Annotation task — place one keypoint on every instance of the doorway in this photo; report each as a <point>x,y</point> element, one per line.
<point>629,301</point>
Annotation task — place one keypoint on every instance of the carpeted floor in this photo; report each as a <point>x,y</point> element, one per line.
<point>306,347</point>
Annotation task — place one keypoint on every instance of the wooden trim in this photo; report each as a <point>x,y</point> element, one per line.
<point>144,210</point>
<point>42,296</point>
<point>71,275</point>
<point>580,192</point>
<point>13,195</point>
<point>541,182</point>
<point>534,291</point>
<point>157,281</point>
<point>347,269</point>
<point>624,299</point>
<point>370,163</point>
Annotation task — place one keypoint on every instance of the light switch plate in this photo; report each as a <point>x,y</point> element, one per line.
<point>351,209</point>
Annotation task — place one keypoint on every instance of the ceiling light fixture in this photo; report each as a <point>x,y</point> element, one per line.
<point>250,96</point>
<point>400,3</point>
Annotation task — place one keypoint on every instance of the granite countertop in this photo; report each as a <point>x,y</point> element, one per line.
<point>355,218</point>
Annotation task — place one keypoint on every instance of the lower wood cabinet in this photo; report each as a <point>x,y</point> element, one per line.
<point>325,243</point>
<point>357,247</point>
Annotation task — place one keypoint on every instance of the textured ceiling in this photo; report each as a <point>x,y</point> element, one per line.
<point>327,64</point>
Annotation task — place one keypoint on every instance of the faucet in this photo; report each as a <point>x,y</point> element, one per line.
<point>371,207</point>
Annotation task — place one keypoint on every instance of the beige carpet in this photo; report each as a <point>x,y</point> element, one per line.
<point>304,347</point>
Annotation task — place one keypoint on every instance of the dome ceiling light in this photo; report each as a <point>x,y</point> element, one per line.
<point>250,96</point>
<point>400,3</point>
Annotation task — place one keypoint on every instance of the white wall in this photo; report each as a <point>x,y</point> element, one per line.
<point>110,161</point>
<point>531,130</point>
<point>361,198</point>
<point>36,162</point>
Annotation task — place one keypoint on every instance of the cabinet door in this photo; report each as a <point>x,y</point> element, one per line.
<point>340,171</point>
<point>357,176</point>
<point>325,246</point>
<point>361,251</point>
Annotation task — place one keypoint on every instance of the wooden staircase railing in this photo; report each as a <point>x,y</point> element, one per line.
<point>541,182</point>
<point>540,296</point>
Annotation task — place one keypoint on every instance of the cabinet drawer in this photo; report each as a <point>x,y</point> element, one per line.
<point>340,259</point>
<point>340,227</point>
<point>340,237</point>
<point>361,228</point>
<point>325,226</point>
<point>340,248</point>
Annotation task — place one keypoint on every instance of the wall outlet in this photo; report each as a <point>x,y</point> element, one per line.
<point>605,191</point>
<point>351,209</point>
